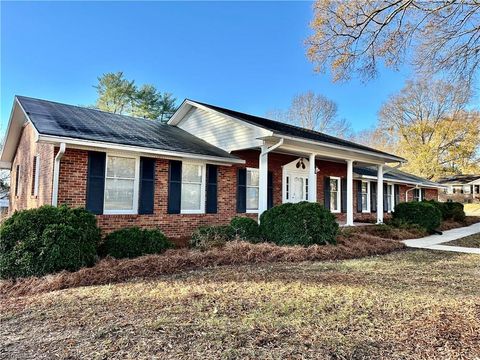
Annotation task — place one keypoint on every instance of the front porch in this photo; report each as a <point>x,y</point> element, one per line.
<point>297,165</point>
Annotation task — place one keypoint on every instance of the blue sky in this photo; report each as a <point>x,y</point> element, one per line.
<point>243,55</point>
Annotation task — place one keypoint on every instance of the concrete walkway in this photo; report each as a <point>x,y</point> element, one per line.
<point>433,242</point>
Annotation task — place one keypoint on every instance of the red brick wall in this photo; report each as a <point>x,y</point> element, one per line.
<point>27,149</point>
<point>73,179</point>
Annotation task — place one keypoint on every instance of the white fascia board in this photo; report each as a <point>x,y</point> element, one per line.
<point>137,149</point>
<point>5,165</point>
<point>344,148</point>
<point>182,110</point>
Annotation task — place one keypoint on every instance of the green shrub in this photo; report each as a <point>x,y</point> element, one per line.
<point>47,239</point>
<point>424,214</point>
<point>207,237</point>
<point>246,229</point>
<point>450,210</point>
<point>303,223</point>
<point>132,242</point>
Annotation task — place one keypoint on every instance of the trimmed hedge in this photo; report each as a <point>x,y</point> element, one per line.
<point>207,237</point>
<point>450,210</point>
<point>47,239</point>
<point>246,229</point>
<point>424,214</point>
<point>133,242</point>
<point>303,223</point>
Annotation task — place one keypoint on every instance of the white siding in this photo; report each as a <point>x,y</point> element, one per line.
<point>221,131</point>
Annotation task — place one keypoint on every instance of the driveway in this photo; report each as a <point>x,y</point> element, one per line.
<point>433,242</point>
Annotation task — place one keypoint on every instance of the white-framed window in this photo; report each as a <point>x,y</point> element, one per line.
<point>365,193</point>
<point>193,188</point>
<point>466,189</point>
<point>335,191</point>
<point>121,184</point>
<point>35,174</point>
<point>252,189</point>
<point>390,197</point>
<point>417,194</point>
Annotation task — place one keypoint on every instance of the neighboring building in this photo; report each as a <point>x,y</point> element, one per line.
<point>207,165</point>
<point>461,188</point>
<point>4,203</point>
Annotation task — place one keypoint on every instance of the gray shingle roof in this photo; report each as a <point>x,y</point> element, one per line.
<point>294,131</point>
<point>459,179</point>
<point>52,118</point>
<point>394,175</point>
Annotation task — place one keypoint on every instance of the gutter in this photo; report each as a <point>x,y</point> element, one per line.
<point>56,173</point>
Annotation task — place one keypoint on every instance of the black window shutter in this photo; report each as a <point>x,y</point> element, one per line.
<point>326,191</point>
<point>174,186</point>
<point>397,194</point>
<point>147,186</point>
<point>422,194</point>
<point>373,196</point>
<point>270,190</point>
<point>359,196</point>
<point>242,191</point>
<point>343,195</point>
<point>385,197</point>
<point>212,175</point>
<point>95,182</point>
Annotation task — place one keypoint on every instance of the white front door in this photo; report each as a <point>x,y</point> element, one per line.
<point>295,181</point>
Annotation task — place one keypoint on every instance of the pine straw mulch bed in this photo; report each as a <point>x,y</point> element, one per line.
<point>450,224</point>
<point>109,270</point>
<point>404,305</point>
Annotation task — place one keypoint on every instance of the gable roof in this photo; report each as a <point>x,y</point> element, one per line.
<point>395,175</point>
<point>69,121</point>
<point>459,179</point>
<point>280,128</point>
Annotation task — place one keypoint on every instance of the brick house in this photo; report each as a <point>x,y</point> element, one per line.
<point>461,188</point>
<point>207,165</point>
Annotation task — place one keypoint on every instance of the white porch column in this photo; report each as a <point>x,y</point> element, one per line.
<point>312,179</point>
<point>349,193</point>
<point>380,194</point>
<point>263,181</point>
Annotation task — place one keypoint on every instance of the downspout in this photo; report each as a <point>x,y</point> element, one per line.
<point>406,191</point>
<point>56,173</point>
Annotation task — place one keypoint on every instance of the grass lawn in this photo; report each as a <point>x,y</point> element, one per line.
<point>472,241</point>
<point>404,305</point>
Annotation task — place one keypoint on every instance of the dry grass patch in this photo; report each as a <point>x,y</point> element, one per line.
<point>404,305</point>
<point>472,241</point>
<point>451,224</point>
<point>110,270</point>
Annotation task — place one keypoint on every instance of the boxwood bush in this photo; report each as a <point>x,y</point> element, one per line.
<point>424,214</point>
<point>133,241</point>
<point>246,229</point>
<point>47,239</point>
<point>207,237</point>
<point>450,210</point>
<point>303,223</point>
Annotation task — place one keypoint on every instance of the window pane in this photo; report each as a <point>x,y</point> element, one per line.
<point>364,202</point>
<point>191,196</point>
<point>119,194</point>
<point>252,198</point>
<point>333,200</point>
<point>333,185</point>
<point>192,173</point>
<point>364,187</point>
<point>252,177</point>
<point>120,167</point>
<point>298,188</point>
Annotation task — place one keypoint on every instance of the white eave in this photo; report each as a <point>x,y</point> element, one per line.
<point>90,144</point>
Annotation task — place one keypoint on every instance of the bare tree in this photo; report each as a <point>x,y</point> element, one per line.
<point>429,124</point>
<point>314,112</point>
<point>436,36</point>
